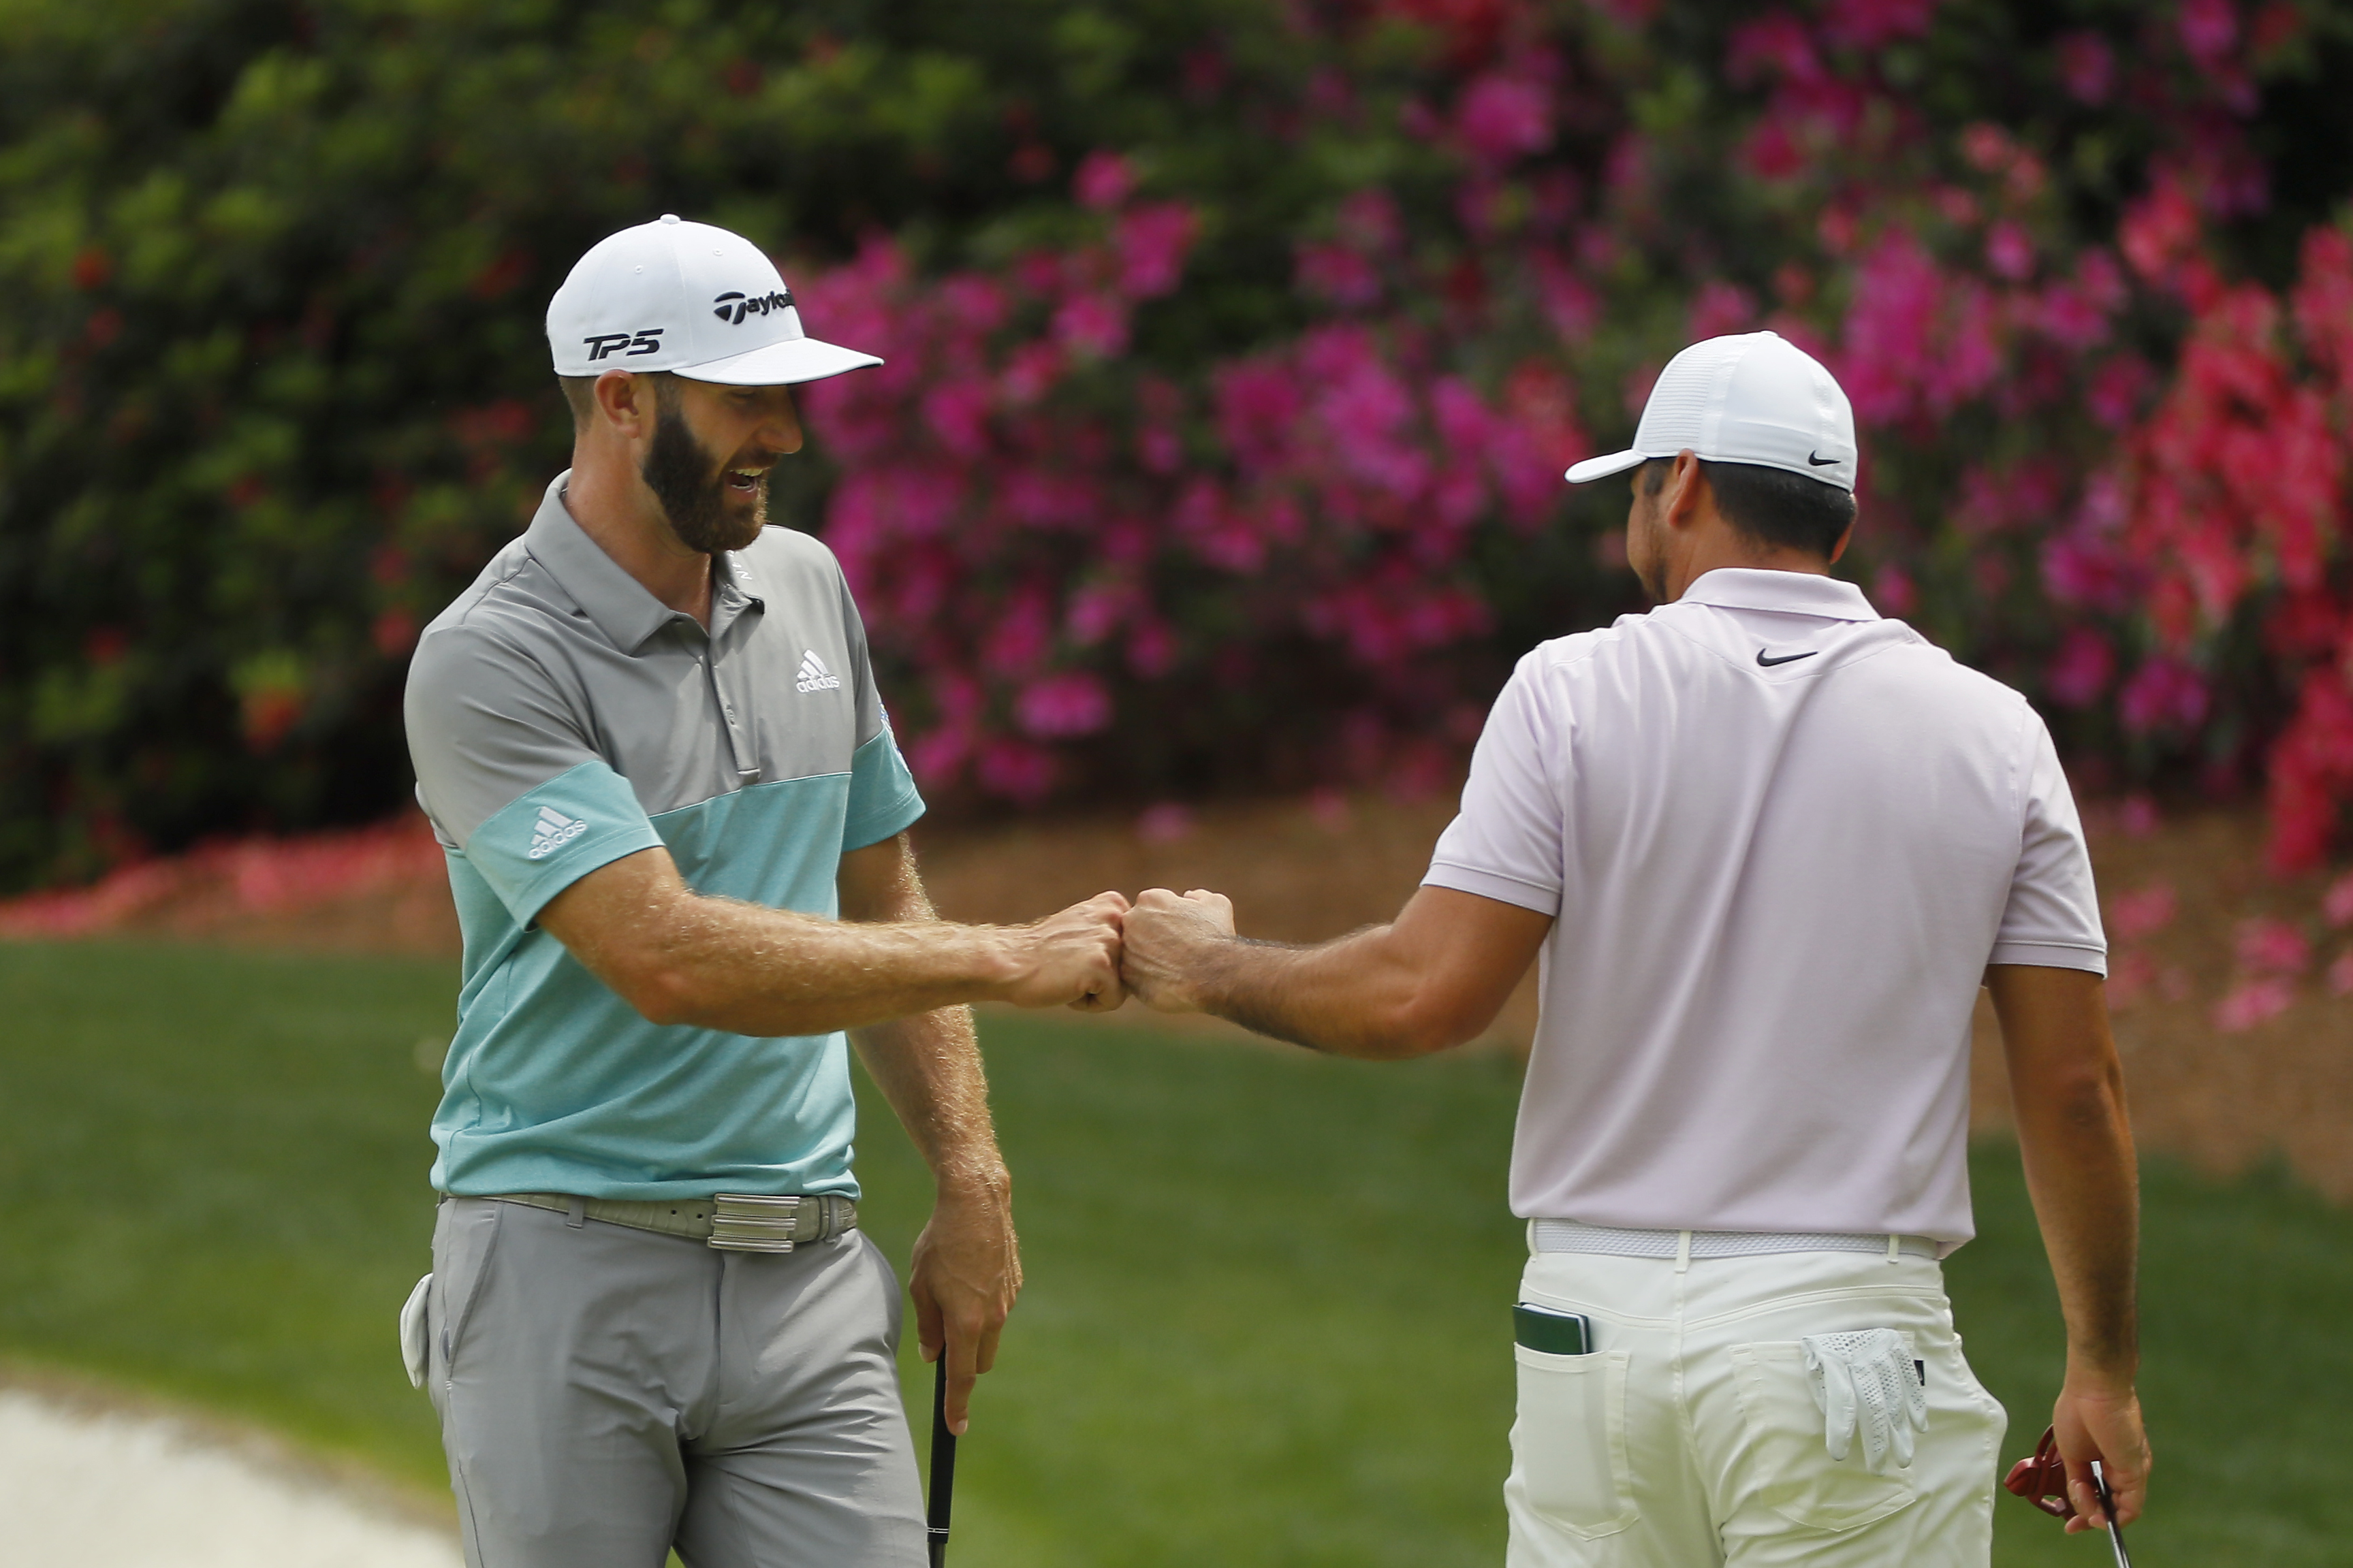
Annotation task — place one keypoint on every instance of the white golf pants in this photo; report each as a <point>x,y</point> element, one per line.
<point>1689,1435</point>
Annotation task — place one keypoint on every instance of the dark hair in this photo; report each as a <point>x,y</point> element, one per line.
<point>1771,506</point>
<point>580,392</point>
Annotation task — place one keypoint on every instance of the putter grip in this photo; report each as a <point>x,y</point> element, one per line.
<point>943,1464</point>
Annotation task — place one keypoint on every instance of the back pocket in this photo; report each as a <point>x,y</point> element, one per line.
<point>1785,1456</point>
<point>1568,1445</point>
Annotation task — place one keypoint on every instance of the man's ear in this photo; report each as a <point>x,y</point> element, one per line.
<point>625,403</point>
<point>1681,505</point>
<point>1843,541</point>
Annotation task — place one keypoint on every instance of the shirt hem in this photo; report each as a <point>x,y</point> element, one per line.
<point>906,812</point>
<point>1491,884</point>
<point>2052,955</point>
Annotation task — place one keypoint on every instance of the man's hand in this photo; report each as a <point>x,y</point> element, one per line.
<point>1167,937</point>
<point>1070,958</point>
<point>2100,1419</point>
<point>966,1273</point>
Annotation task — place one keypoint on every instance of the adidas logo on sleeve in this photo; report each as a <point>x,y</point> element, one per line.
<point>552,831</point>
<point>814,676</point>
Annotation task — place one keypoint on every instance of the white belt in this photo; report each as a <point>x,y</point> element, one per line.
<point>1568,1235</point>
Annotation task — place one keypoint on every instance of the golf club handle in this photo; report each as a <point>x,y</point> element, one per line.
<point>942,1464</point>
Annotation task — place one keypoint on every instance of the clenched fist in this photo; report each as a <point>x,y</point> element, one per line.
<point>1071,958</point>
<point>1168,938</point>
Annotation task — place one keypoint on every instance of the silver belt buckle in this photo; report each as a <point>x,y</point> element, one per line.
<point>752,1222</point>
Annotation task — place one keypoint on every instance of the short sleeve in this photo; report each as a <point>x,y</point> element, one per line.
<point>507,773</point>
<point>2052,916</point>
<point>1505,844</point>
<point>882,796</point>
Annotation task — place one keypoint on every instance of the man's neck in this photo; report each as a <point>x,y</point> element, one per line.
<point>1717,554</point>
<point>628,527</point>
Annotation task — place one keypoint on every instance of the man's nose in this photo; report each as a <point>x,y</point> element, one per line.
<point>781,429</point>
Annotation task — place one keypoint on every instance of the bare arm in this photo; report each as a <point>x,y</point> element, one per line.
<point>680,958</point>
<point>1431,980</point>
<point>2068,1092</point>
<point>967,1265</point>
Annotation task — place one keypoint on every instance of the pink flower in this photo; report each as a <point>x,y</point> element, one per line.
<point>1369,222</point>
<point>1892,591</point>
<point>2138,816</point>
<point>958,413</point>
<point>2337,903</point>
<point>2272,947</point>
<point>2009,251</point>
<point>2340,975</point>
<point>1018,771</point>
<point>1071,703</point>
<point>1152,241</point>
<point>1336,273</point>
<point>2163,694</point>
<point>2145,912</point>
<point>2082,668</point>
<point>1720,308</point>
<point>1165,823</point>
<point>2252,1002</point>
<point>1501,116</point>
<point>2087,66</point>
<point>1873,24</point>
<point>1103,181</point>
<point>2209,28</point>
<point>1092,326</point>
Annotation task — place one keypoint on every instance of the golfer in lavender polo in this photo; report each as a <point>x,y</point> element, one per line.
<point>1769,844</point>
<point>650,741</point>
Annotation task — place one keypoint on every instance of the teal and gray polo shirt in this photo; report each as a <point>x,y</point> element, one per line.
<point>560,717</point>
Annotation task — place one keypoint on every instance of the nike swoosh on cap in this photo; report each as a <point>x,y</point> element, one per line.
<point>1817,460</point>
<point>1785,659</point>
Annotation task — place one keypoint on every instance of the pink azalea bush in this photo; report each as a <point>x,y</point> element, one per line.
<point>2098,460</point>
<point>1234,356</point>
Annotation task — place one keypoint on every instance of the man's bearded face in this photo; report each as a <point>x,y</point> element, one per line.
<point>702,495</point>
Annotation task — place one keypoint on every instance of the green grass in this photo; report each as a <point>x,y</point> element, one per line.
<point>1265,1319</point>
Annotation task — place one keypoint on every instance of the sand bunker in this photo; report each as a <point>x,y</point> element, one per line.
<point>101,1487</point>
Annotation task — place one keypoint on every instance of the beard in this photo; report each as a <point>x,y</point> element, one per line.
<point>691,487</point>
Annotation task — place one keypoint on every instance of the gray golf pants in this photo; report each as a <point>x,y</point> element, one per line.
<point>606,1393</point>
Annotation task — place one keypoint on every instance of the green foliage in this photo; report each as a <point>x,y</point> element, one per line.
<point>1264,1319</point>
<point>272,382</point>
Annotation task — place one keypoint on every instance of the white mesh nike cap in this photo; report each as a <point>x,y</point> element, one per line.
<point>1752,398</point>
<point>689,298</point>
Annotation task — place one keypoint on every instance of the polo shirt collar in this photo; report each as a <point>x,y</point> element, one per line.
<point>616,601</point>
<point>1790,592</point>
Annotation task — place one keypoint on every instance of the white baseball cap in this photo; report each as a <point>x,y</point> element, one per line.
<point>686,297</point>
<point>1756,398</point>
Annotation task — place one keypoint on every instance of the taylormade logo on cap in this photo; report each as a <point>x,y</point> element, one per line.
<point>1752,398</point>
<point>686,297</point>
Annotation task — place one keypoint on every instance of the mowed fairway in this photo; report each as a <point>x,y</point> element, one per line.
<point>1266,1316</point>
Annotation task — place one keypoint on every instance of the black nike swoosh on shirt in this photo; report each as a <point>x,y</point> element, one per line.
<point>1786,659</point>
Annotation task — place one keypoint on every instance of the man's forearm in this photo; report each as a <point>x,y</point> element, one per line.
<point>2080,1174</point>
<point>929,1067</point>
<point>756,971</point>
<point>2067,1089</point>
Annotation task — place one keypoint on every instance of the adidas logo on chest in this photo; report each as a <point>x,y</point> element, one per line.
<point>812,675</point>
<point>552,831</point>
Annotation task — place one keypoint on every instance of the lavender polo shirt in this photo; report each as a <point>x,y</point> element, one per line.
<point>1782,838</point>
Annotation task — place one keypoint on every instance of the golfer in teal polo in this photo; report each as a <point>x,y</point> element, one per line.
<point>649,739</point>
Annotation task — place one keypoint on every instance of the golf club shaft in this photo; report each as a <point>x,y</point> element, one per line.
<point>943,1464</point>
<point>2108,1507</point>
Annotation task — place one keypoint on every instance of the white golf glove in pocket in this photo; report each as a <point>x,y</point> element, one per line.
<point>414,1344</point>
<point>1865,1381</point>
